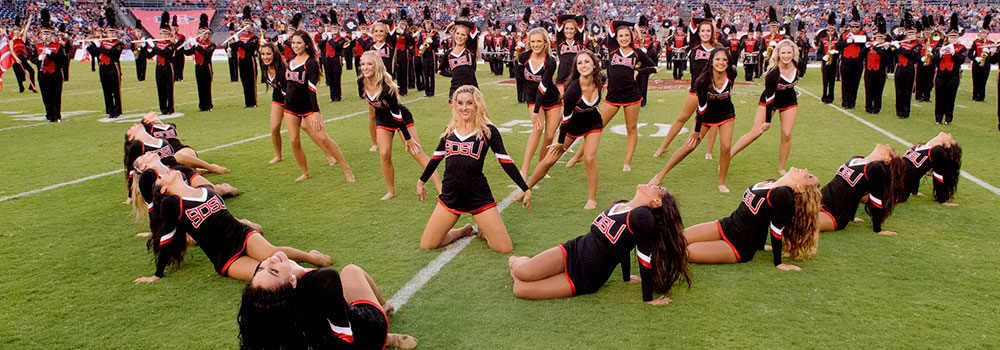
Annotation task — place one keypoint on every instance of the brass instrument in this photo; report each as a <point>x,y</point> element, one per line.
<point>414,30</point>
<point>828,57</point>
<point>423,46</point>
<point>767,56</point>
<point>983,58</point>
<point>928,56</point>
<point>936,36</point>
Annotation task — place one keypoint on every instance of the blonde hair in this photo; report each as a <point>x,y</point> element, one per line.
<point>480,119</point>
<point>381,75</point>
<point>800,242</point>
<point>545,35</point>
<point>384,26</point>
<point>139,206</point>
<point>773,63</point>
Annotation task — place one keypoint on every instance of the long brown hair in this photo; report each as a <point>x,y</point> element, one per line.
<point>714,39</point>
<point>597,77</point>
<point>670,261</point>
<point>948,170</point>
<point>800,242</point>
<point>894,183</point>
<point>276,61</point>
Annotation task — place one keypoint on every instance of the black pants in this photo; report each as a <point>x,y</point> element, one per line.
<point>349,59</point>
<point>925,82</point>
<point>428,68</point>
<point>248,77</point>
<point>178,67</point>
<point>165,88</point>
<point>874,85</point>
<point>140,69</point>
<point>904,89</point>
<point>519,83</point>
<point>111,83</point>
<point>203,75</point>
<point>512,68</point>
<point>760,67</point>
<point>357,64</point>
<point>945,90</point>
<point>51,85</point>
<point>418,68</point>
<point>749,71</point>
<point>850,75</point>
<point>411,72</point>
<point>332,71</point>
<point>93,63</point>
<point>829,81</point>
<point>401,72</point>
<point>803,65</point>
<point>19,71</point>
<point>979,77</point>
<point>234,68</point>
<point>679,69</point>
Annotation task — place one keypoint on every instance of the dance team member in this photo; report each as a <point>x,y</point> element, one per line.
<point>700,58</point>
<point>650,223</point>
<point>942,156</point>
<point>301,107</point>
<point>881,176</point>
<point>540,90</point>
<point>569,42</point>
<point>465,190</point>
<point>273,70</point>
<point>459,62</point>
<point>784,209</point>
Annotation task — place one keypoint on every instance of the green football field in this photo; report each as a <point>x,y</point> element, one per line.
<point>69,251</point>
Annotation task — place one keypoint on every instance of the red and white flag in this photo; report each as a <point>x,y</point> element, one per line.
<point>6,58</point>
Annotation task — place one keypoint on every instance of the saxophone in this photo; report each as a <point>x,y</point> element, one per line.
<point>983,59</point>
<point>828,56</point>
<point>423,47</point>
<point>928,56</point>
<point>767,56</point>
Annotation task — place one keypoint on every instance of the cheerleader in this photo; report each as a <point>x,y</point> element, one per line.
<point>876,63</point>
<point>235,247</point>
<point>109,53</point>
<point>246,51</point>
<point>273,75</point>
<point>569,41</point>
<point>544,105</point>
<point>625,64</point>
<point>155,127</point>
<point>51,60</point>
<point>713,89</point>
<point>164,52</point>
<point>881,175</point>
<point>301,110</point>
<point>948,58</point>
<point>377,88</point>
<point>464,188</point>
<point>942,156</point>
<point>779,96</point>
<point>700,61</point>
<point>143,188</point>
<point>203,48</point>
<point>826,41</point>
<point>139,142</point>
<point>286,306</point>
<point>581,118</point>
<point>460,61</point>
<point>585,263</point>
<point>768,208</point>
<point>908,54</point>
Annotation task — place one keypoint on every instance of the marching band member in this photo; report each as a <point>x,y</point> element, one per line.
<point>773,36</point>
<point>678,52</point>
<point>140,50</point>
<point>19,48</point>
<point>179,54</point>
<point>750,48</point>
<point>231,52</point>
<point>247,44</point>
<point>802,41</point>
<point>332,46</point>
<point>826,41</point>
<point>164,52</point>
<point>202,48</point>
<point>908,56</point>
<point>851,45</point>
<point>109,54</point>
<point>430,42</point>
<point>982,48</point>
<point>948,58</point>
<point>51,60</point>
<point>875,67</point>
<point>402,45</point>
<point>926,69</point>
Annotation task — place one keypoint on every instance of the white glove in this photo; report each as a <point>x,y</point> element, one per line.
<point>97,43</point>
<point>850,40</point>
<point>834,52</point>
<point>824,58</point>
<point>773,44</point>
<point>895,44</point>
<point>979,59</point>
<point>149,42</point>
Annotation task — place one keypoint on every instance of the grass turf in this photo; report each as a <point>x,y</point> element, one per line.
<point>70,254</point>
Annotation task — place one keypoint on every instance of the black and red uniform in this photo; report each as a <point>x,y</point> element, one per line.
<point>875,74</point>
<point>146,184</point>
<point>51,60</point>
<point>402,46</point>
<point>853,181</point>
<point>698,58</point>
<point>908,55</point>
<point>852,57</point>
<point>178,59</point>
<point>461,66</point>
<point>328,322</point>
<point>803,60</point>
<point>591,259</point>
<point>678,49</point>
<point>428,60</point>
<point>770,41</point>
<point>234,62</point>
<point>385,51</point>
<point>715,105</point>
<point>20,52</point>
<point>277,84</point>
<point>779,93</point>
<point>203,73</point>
<point>919,160</point>
<point>332,51</point>
<point>925,72</point>
<point>361,44</point>
<point>946,80</point>
<point>161,131</point>
<point>764,209</point>
<point>164,52</point>
<point>464,188</point>
<point>623,89</point>
<point>580,117</point>
<point>300,88</point>
<point>206,219</point>
<point>539,88</point>
<point>980,74</point>
<point>108,57</point>
<point>247,46</point>
<point>162,147</point>
<point>389,113</point>
<point>826,49</point>
<point>566,51</point>
<point>651,49</point>
<point>142,54</point>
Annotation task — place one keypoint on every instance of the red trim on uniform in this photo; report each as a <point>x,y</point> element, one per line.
<point>824,211</point>
<point>723,234</point>
<point>473,212</point>
<point>298,115</point>
<point>556,106</point>
<point>560,85</point>
<point>692,93</point>
<point>787,108</point>
<point>762,104</point>
<point>225,268</point>
<point>369,302</point>
<point>584,134</point>
<point>768,196</point>
<point>572,287</point>
<point>626,104</point>
<point>719,123</point>
<point>278,103</point>
<point>865,170</point>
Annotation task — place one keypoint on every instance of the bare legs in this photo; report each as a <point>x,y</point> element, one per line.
<point>358,285</point>
<point>384,140</point>
<point>675,128</point>
<point>759,126</point>
<point>589,151</point>
<point>315,129</point>
<point>439,232</point>
<point>705,245</point>
<point>608,112</point>
<point>277,113</point>
<point>540,277</point>
<point>551,121</point>
<point>189,158</point>
<point>371,132</point>
<point>258,248</point>
<point>725,141</point>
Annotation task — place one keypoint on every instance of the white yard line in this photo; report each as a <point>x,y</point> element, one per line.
<point>424,275</point>
<point>964,173</point>
<point>97,176</point>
